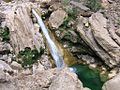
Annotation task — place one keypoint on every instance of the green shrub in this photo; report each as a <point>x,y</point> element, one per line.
<point>65,2</point>
<point>94,4</point>
<point>4,34</point>
<point>29,57</point>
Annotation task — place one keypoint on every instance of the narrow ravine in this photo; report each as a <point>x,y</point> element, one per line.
<point>89,77</point>
<point>59,45</point>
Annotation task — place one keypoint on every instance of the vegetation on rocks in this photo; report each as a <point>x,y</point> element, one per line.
<point>4,34</point>
<point>94,5</point>
<point>29,57</point>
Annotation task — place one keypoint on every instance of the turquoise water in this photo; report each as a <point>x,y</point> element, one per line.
<point>90,78</point>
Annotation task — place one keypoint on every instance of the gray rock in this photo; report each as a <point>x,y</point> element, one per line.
<point>4,57</point>
<point>5,46</point>
<point>113,84</point>
<point>99,39</point>
<point>69,35</point>
<point>44,60</point>
<point>87,36</point>
<point>5,67</point>
<point>57,18</point>
<point>55,6</point>
<point>79,5</point>
<point>103,38</point>
<point>3,77</point>
<point>88,59</point>
<point>86,89</point>
<point>66,80</point>
<point>16,65</point>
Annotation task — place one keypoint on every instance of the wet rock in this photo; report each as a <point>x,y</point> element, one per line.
<point>69,35</point>
<point>86,89</point>
<point>112,84</point>
<point>87,59</point>
<point>57,18</point>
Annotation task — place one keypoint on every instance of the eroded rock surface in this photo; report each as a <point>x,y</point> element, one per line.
<point>51,79</point>
<point>66,81</point>
<point>18,20</point>
<point>98,38</point>
<point>57,18</point>
<point>112,84</point>
<point>4,66</point>
<point>101,35</point>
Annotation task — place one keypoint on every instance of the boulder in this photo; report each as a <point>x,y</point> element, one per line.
<point>57,18</point>
<point>16,65</point>
<point>112,84</point>
<point>66,80</point>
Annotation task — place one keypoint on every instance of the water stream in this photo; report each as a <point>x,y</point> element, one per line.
<point>88,77</point>
<point>53,48</point>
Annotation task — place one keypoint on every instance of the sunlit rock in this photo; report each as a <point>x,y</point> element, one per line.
<point>57,18</point>
<point>112,84</point>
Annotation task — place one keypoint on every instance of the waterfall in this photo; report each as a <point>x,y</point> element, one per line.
<point>53,48</point>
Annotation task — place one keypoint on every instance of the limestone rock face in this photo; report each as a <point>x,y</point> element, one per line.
<point>98,38</point>
<point>101,34</point>
<point>52,79</point>
<point>66,81</point>
<point>57,18</point>
<point>22,31</point>
<point>112,84</point>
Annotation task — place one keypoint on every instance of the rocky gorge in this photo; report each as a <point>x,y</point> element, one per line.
<point>86,33</point>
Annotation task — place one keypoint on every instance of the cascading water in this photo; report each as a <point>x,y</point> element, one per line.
<point>53,48</point>
<point>89,78</point>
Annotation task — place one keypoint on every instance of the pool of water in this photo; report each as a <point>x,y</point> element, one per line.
<point>90,78</point>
